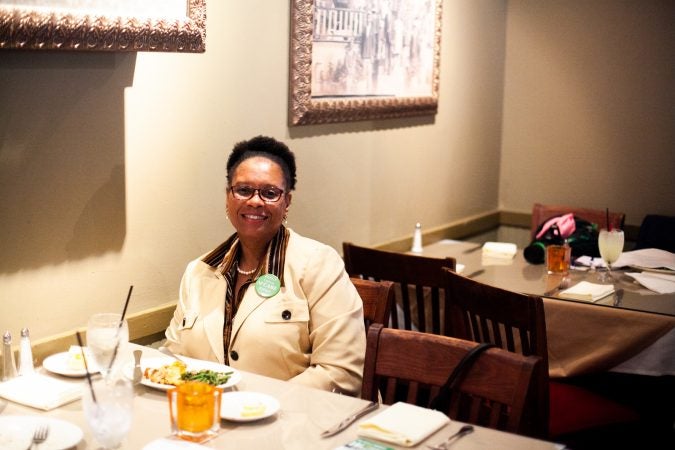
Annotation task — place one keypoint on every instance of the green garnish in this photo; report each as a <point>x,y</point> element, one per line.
<point>207,376</point>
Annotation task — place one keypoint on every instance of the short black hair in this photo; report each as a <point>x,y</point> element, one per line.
<point>266,147</point>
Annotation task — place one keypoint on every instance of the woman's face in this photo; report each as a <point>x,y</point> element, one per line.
<point>255,220</point>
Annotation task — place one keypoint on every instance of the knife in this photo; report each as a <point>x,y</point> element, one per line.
<point>349,420</point>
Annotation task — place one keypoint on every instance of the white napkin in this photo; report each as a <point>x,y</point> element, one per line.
<point>403,424</point>
<point>172,444</point>
<point>504,250</point>
<point>657,282</point>
<point>40,391</point>
<point>586,291</point>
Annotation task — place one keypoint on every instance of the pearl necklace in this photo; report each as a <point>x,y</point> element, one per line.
<point>245,272</point>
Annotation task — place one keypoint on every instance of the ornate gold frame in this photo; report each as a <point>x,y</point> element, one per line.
<point>305,110</point>
<point>40,29</point>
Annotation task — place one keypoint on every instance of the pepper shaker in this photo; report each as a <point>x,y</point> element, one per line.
<point>8,364</point>
<point>25,354</point>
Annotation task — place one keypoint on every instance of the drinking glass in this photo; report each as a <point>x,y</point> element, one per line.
<point>107,337</point>
<point>194,408</point>
<point>610,243</point>
<point>109,417</point>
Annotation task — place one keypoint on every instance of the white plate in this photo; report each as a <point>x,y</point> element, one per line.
<point>192,364</point>
<point>58,363</point>
<point>16,433</point>
<point>232,406</point>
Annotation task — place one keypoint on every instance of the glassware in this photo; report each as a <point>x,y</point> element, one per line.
<point>109,417</point>
<point>107,338</point>
<point>194,408</point>
<point>610,244</point>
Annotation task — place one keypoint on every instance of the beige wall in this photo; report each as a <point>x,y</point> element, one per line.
<point>112,165</point>
<point>589,106</point>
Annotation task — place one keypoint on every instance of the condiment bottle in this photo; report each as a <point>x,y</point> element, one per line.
<point>8,364</point>
<point>25,354</point>
<point>417,239</point>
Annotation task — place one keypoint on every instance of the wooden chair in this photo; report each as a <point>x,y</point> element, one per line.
<point>417,280</point>
<point>516,322</point>
<point>491,393</point>
<point>541,213</point>
<point>377,296</point>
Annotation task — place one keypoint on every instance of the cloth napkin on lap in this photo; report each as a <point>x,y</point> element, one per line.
<point>40,391</point>
<point>403,424</point>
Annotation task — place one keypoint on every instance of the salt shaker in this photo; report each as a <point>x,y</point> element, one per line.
<point>8,364</point>
<point>25,354</point>
<point>417,239</point>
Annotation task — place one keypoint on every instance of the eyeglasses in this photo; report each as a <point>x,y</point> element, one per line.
<point>268,194</point>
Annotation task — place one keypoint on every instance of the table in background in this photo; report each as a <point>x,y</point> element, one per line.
<point>304,413</point>
<point>631,332</point>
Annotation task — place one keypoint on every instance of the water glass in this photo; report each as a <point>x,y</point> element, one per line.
<point>110,416</point>
<point>194,408</point>
<point>107,338</point>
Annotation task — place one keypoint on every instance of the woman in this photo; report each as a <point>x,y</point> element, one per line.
<point>268,300</point>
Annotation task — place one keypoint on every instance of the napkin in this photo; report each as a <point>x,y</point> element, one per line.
<point>590,292</point>
<point>172,444</point>
<point>40,391</point>
<point>504,250</point>
<point>657,282</point>
<point>403,424</point>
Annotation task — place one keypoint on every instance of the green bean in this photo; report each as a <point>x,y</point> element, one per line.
<point>207,376</point>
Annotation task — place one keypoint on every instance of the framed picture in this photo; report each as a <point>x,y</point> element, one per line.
<point>104,25</point>
<point>363,59</point>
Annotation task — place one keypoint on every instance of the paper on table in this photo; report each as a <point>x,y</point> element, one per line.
<point>657,282</point>
<point>40,391</point>
<point>653,258</point>
<point>504,250</point>
<point>403,424</point>
<point>586,291</point>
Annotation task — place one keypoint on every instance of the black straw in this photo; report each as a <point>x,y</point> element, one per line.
<point>607,218</point>
<point>124,313</point>
<point>86,367</point>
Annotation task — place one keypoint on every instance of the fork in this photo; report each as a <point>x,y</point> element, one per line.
<point>40,435</point>
<point>466,429</point>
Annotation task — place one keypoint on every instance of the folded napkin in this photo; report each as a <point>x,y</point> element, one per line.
<point>586,291</point>
<point>503,250</point>
<point>657,282</point>
<point>403,424</point>
<point>40,391</point>
<point>172,444</point>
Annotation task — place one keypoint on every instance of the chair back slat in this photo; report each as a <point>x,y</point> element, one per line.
<point>492,392</point>
<point>377,297</point>
<point>418,281</point>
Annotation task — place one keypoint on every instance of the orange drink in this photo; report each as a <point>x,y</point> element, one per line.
<point>558,259</point>
<point>195,410</point>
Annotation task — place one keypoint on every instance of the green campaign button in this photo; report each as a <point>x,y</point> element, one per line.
<point>267,285</point>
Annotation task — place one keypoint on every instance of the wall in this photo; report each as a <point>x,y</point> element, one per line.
<point>589,106</point>
<point>112,165</point>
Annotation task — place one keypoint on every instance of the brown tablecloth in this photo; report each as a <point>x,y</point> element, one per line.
<point>585,338</point>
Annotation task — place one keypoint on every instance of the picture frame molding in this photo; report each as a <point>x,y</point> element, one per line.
<point>305,110</point>
<point>26,28</point>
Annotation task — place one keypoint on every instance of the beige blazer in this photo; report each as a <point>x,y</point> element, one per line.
<point>311,332</point>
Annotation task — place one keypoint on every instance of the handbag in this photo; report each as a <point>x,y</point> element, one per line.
<point>442,401</point>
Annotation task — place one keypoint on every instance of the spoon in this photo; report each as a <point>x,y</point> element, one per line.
<point>466,429</point>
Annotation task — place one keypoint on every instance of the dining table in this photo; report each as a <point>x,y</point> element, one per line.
<point>303,413</point>
<point>629,331</point>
